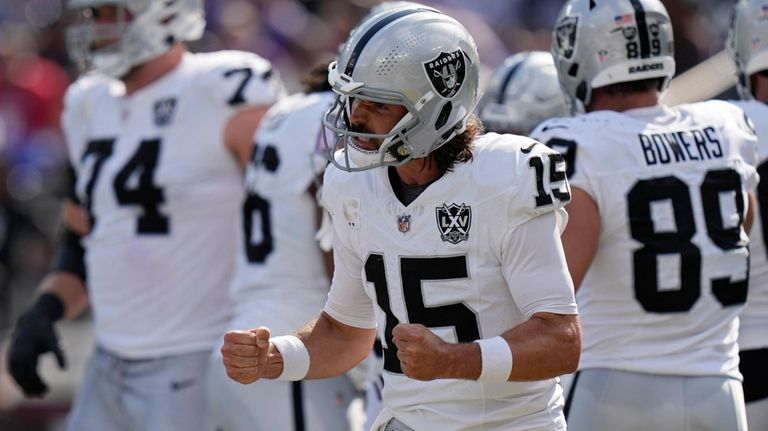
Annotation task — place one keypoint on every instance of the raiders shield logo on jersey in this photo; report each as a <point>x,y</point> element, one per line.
<point>164,109</point>
<point>566,35</point>
<point>454,221</point>
<point>446,72</point>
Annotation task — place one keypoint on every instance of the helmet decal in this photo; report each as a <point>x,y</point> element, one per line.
<point>565,35</point>
<point>446,72</point>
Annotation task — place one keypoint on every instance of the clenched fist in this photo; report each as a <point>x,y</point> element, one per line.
<point>421,352</point>
<point>245,354</point>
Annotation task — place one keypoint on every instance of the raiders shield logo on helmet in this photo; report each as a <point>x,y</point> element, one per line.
<point>454,221</point>
<point>566,35</point>
<point>446,72</point>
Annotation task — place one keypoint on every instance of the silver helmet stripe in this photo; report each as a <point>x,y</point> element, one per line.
<point>372,31</point>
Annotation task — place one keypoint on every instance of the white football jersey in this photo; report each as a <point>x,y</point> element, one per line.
<point>449,261</point>
<point>753,332</point>
<point>163,192</point>
<point>278,256</point>
<point>669,278</point>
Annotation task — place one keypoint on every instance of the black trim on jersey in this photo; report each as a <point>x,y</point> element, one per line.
<point>371,32</point>
<point>752,364</point>
<point>508,79</point>
<point>298,406</point>
<point>569,398</point>
<point>642,29</point>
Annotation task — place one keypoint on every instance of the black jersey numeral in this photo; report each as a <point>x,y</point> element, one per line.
<point>413,271</point>
<point>145,193</point>
<point>716,184</point>
<point>256,207</point>
<point>239,95</point>
<point>556,173</point>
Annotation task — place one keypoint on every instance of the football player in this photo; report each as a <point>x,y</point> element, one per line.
<point>281,277</point>
<point>523,92</point>
<point>656,240</point>
<point>748,45</point>
<point>157,137</point>
<point>446,241</point>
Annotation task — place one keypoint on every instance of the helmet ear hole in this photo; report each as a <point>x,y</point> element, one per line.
<point>574,70</point>
<point>445,113</point>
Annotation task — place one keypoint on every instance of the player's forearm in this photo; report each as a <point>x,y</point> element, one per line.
<point>334,348</point>
<point>544,346</point>
<point>69,288</point>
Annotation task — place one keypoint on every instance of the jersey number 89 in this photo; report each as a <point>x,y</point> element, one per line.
<point>717,183</point>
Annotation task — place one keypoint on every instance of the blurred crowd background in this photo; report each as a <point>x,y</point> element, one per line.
<point>294,34</point>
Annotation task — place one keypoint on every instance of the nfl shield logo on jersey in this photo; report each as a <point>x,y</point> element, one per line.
<point>164,111</point>
<point>454,221</point>
<point>404,223</point>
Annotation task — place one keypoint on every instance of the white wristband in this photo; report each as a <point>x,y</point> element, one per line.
<point>295,357</point>
<point>496,358</point>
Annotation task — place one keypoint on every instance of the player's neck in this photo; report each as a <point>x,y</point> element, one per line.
<point>149,72</point>
<point>603,101</point>
<point>419,171</point>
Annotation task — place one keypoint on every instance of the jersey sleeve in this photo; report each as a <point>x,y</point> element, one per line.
<point>541,185</point>
<point>534,266</point>
<point>72,122</point>
<point>240,79</point>
<point>746,143</point>
<point>347,301</point>
<point>560,135</point>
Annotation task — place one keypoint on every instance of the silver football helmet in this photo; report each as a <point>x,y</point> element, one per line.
<point>414,57</point>
<point>523,92</point>
<point>143,30</point>
<point>599,43</point>
<point>748,42</point>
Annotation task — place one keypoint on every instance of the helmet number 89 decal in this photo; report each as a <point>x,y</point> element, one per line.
<point>642,44</point>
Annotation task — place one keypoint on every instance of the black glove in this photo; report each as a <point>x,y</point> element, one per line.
<point>33,336</point>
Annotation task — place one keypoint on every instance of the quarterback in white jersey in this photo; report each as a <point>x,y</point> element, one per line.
<point>656,244</point>
<point>155,136</point>
<point>281,279</point>
<point>748,46</point>
<point>446,245</point>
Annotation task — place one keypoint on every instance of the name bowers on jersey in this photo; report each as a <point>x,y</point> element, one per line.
<point>682,146</point>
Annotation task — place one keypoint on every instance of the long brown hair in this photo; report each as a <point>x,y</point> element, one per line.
<point>458,149</point>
